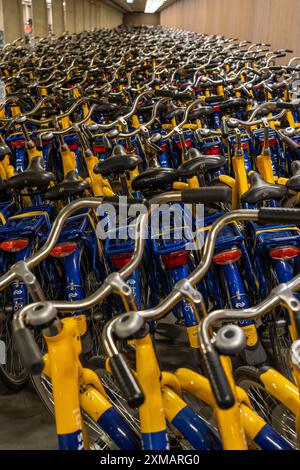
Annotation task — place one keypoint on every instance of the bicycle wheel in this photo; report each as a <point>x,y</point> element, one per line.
<point>277,338</point>
<point>276,334</point>
<point>269,408</point>
<point>13,375</point>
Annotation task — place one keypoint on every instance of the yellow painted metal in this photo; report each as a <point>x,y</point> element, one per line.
<point>252,423</point>
<point>264,166</point>
<point>172,403</point>
<point>229,421</point>
<point>68,160</point>
<point>171,381</point>
<point>34,152</point>
<point>240,174</point>
<point>152,415</point>
<point>281,389</point>
<point>251,335</point>
<point>93,402</point>
<point>193,336</point>
<point>63,352</point>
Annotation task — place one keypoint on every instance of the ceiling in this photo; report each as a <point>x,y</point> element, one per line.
<point>136,6</point>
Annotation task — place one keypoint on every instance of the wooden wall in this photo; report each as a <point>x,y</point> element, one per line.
<point>269,21</point>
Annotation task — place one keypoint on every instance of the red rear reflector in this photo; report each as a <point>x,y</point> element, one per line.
<point>14,245</point>
<point>271,142</point>
<point>163,147</point>
<point>228,257</point>
<point>217,109</point>
<point>172,260</point>
<point>212,151</point>
<point>120,260</point>
<point>244,146</point>
<point>17,144</point>
<point>288,252</point>
<point>63,249</point>
<point>99,149</point>
<point>73,146</point>
<point>188,144</point>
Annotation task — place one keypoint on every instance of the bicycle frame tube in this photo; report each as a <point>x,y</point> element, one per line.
<point>97,406</point>
<point>152,417</point>
<point>62,367</point>
<point>229,421</point>
<point>68,396</point>
<point>188,423</point>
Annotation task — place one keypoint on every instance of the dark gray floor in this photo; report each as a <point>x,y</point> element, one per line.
<point>26,425</point>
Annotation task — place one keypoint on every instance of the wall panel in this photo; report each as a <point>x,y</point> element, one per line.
<point>142,19</point>
<point>274,21</point>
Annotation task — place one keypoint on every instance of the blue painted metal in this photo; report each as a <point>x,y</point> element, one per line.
<point>118,430</point>
<point>155,441</point>
<point>268,439</point>
<point>195,430</point>
<point>72,441</point>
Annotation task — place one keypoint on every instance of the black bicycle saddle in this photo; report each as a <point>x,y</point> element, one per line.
<point>155,179</point>
<point>260,190</point>
<point>198,163</point>
<point>294,182</point>
<point>118,162</point>
<point>70,186</point>
<point>201,111</point>
<point>33,177</point>
<point>4,150</point>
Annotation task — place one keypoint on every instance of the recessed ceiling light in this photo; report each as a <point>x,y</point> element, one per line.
<point>153,5</point>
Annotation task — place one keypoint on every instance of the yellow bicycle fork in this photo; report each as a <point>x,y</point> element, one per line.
<point>73,387</point>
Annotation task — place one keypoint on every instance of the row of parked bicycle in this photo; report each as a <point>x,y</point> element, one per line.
<point>159,117</point>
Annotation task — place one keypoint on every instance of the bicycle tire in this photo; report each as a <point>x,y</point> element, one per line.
<point>269,408</point>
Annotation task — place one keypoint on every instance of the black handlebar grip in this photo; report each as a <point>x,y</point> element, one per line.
<point>290,143</point>
<point>281,54</point>
<point>115,99</point>
<point>207,195</point>
<point>126,381</point>
<point>29,351</point>
<point>293,69</point>
<point>214,99</point>
<point>259,56</point>
<point>268,215</point>
<point>165,93</point>
<point>183,96</point>
<point>218,380</point>
<point>287,105</point>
